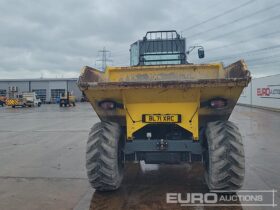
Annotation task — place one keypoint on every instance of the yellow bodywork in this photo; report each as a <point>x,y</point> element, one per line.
<point>14,102</point>
<point>166,89</point>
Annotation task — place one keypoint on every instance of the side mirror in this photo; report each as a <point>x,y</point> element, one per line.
<point>200,52</point>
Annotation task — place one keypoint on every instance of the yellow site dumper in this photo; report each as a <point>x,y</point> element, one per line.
<point>162,109</point>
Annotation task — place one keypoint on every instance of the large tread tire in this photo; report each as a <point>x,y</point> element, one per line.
<point>103,156</point>
<point>224,159</point>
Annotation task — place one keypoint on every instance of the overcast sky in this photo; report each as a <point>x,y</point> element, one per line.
<point>48,38</point>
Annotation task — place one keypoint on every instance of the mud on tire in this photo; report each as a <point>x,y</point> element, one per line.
<point>103,156</point>
<point>224,156</point>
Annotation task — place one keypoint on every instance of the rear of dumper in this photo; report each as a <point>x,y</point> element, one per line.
<point>163,109</point>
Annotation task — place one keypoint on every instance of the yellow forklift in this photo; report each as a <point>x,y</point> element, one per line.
<point>67,99</point>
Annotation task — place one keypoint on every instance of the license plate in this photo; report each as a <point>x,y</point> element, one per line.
<point>161,118</point>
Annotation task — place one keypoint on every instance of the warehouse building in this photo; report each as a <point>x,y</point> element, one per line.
<point>48,90</point>
<point>262,92</point>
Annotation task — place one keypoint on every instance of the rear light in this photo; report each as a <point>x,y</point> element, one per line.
<point>107,105</point>
<point>218,103</point>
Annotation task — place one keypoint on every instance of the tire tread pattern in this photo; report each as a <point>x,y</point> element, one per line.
<point>226,161</point>
<point>102,164</point>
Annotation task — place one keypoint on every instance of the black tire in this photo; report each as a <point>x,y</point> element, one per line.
<point>74,104</point>
<point>104,157</point>
<point>224,156</point>
<point>39,104</point>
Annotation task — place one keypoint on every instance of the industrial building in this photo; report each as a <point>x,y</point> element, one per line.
<point>263,92</point>
<point>47,89</point>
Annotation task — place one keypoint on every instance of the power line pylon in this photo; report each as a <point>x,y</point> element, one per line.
<point>104,58</point>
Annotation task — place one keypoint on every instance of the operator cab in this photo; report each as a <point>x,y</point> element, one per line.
<point>161,48</point>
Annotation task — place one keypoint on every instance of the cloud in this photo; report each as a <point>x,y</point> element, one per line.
<point>59,37</point>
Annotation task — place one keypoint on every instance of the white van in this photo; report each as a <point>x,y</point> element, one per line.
<point>31,99</point>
